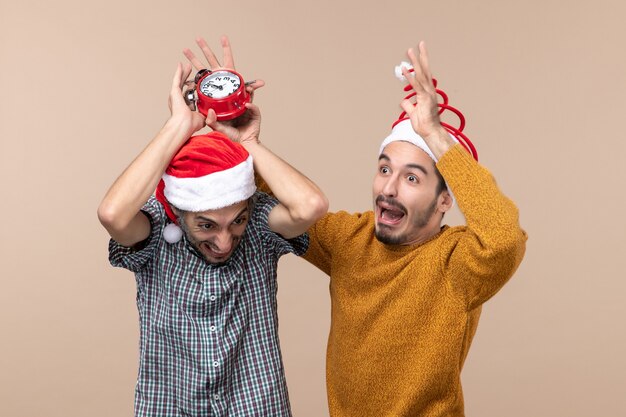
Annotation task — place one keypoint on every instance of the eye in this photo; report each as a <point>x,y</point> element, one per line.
<point>384,170</point>
<point>206,226</point>
<point>413,178</point>
<point>240,220</point>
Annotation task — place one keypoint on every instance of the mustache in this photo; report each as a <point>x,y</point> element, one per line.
<point>391,202</point>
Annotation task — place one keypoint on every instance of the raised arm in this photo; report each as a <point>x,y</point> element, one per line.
<point>490,250</point>
<point>119,212</point>
<point>301,202</point>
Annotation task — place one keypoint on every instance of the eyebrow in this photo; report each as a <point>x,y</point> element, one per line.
<point>206,219</point>
<point>417,166</point>
<point>413,166</point>
<point>244,210</point>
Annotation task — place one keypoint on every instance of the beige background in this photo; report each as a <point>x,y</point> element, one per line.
<point>83,88</point>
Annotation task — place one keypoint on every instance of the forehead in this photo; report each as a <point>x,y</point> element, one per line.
<point>402,153</point>
<point>225,213</point>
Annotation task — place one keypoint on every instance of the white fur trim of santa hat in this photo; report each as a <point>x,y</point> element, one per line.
<point>212,191</point>
<point>404,131</point>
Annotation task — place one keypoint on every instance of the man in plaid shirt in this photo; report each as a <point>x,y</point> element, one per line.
<point>204,251</point>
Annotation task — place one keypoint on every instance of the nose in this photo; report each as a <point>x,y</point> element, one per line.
<point>390,188</point>
<point>223,242</point>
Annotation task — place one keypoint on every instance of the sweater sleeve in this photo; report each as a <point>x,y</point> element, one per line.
<point>324,237</point>
<point>488,251</point>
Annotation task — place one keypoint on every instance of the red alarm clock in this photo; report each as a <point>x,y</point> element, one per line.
<point>222,90</point>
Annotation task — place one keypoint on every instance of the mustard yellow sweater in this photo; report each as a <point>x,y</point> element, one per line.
<point>403,317</point>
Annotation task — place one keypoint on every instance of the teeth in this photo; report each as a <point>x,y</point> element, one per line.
<point>391,214</point>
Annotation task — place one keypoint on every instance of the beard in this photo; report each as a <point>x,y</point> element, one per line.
<point>385,233</point>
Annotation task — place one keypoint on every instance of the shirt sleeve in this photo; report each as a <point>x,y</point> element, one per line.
<point>487,252</point>
<point>135,259</point>
<point>275,242</point>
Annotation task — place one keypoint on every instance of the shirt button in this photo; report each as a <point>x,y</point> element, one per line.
<point>216,364</point>
<point>216,397</point>
<point>212,328</point>
<point>212,297</point>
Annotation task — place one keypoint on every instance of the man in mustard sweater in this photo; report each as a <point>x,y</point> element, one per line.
<point>406,291</point>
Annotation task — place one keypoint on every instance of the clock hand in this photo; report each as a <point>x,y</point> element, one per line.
<point>219,87</point>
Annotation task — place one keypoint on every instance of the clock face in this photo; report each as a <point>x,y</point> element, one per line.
<point>219,84</point>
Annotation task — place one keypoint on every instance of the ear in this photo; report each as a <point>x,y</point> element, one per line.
<point>180,215</point>
<point>444,201</point>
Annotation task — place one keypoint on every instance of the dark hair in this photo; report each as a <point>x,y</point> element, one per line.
<point>441,183</point>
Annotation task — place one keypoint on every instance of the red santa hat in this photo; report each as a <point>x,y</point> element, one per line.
<point>209,172</point>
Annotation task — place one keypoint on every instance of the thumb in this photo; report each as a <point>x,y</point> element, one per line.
<point>211,118</point>
<point>253,111</point>
<point>211,121</point>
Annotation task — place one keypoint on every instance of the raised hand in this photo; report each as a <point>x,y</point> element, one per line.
<point>424,114</point>
<point>182,115</point>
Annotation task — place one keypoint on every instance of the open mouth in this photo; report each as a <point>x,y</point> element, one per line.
<point>389,214</point>
<point>213,254</point>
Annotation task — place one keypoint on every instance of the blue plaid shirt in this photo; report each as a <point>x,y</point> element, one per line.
<point>209,333</point>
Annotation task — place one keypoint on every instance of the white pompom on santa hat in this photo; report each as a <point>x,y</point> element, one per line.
<point>208,172</point>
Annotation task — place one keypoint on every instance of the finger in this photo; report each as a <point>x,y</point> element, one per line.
<point>197,64</point>
<point>253,111</point>
<point>421,73</point>
<point>198,120</point>
<point>218,126</point>
<point>208,53</point>
<point>211,119</point>
<point>176,97</point>
<point>411,78</point>
<point>254,85</point>
<point>413,58</point>
<point>424,63</point>
<point>418,71</point>
<point>177,77</point>
<point>186,71</point>
<point>229,61</point>
<point>252,114</point>
<point>407,106</point>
